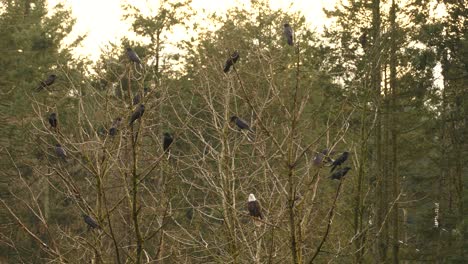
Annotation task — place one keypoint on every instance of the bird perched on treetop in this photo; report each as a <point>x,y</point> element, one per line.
<point>115,126</point>
<point>288,34</point>
<point>340,173</point>
<point>231,60</point>
<point>167,141</point>
<point>137,114</point>
<point>255,210</point>
<point>48,82</point>
<point>53,120</point>
<point>240,123</point>
<point>340,160</point>
<point>133,56</point>
<point>91,222</point>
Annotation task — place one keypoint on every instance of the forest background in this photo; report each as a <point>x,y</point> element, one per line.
<point>386,81</point>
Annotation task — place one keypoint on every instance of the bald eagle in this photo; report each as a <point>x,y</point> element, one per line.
<point>254,209</point>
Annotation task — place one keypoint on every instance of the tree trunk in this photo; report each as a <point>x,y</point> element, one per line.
<point>393,134</point>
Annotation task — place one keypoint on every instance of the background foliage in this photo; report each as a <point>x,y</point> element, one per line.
<point>396,102</point>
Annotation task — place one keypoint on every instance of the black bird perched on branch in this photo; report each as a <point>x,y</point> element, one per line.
<point>363,39</point>
<point>48,82</point>
<point>167,141</point>
<point>288,33</point>
<point>255,210</point>
<point>342,158</point>
<point>133,56</point>
<point>90,221</point>
<point>60,152</point>
<point>340,173</point>
<point>240,123</point>
<point>137,114</point>
<point>323,157</point>
<point>53,120</point>
<point>137,97</point>
<point>231,60</point>
<point>115,126</point>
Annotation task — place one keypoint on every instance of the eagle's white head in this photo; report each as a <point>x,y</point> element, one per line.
<point>252,197</point>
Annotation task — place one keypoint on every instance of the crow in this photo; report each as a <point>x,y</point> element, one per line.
<point>48,82</point>
<point>91,222</point>
<point>363,39</point>
<point>323,157</point>
<point>288,33</point>
<point>342,158</point>
<point>115,126</point>
<point>53,120</point>
<point>240,123</point>
<point>137,114</point>
<point>133,56</point>
<point>60,152</point>
<point>231,60</point>
<point>137,97</point>
<point>167,141</point>
<point>340,173</point>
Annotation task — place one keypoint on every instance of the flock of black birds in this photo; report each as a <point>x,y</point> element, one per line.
<point>252,205</point>
<point>113,130</point>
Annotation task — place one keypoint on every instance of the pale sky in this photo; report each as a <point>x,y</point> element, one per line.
<point>102,19</point>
